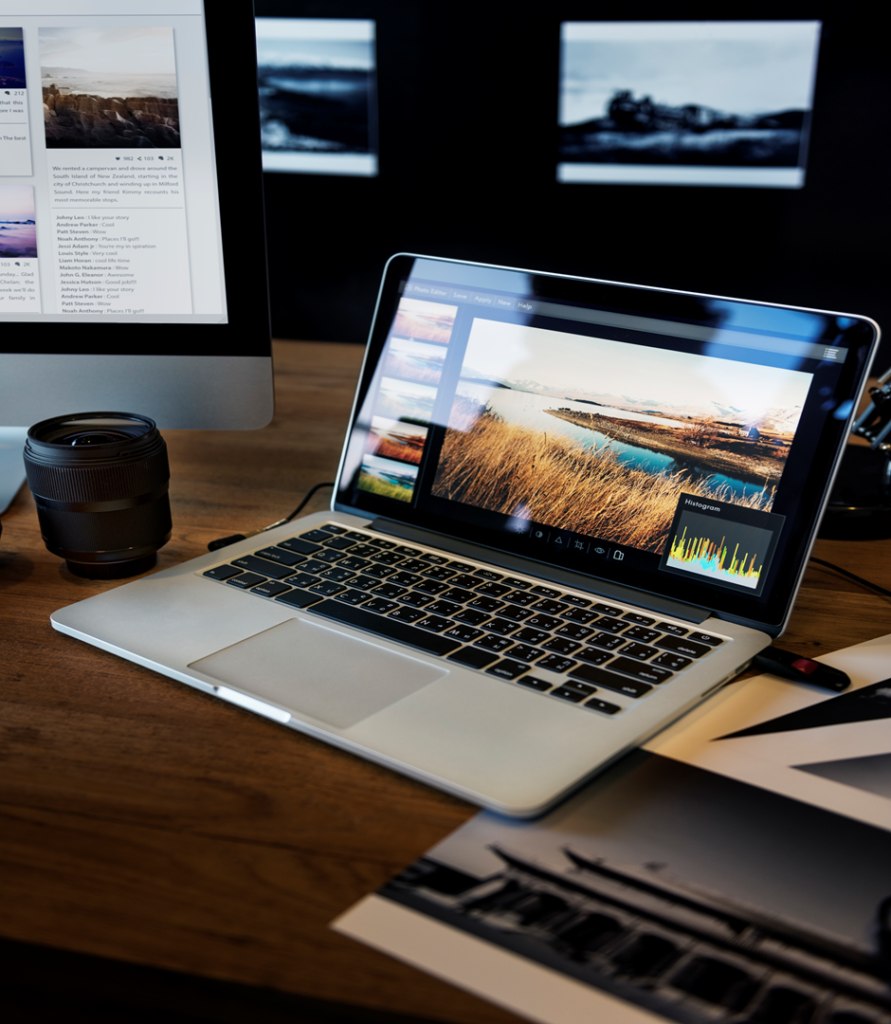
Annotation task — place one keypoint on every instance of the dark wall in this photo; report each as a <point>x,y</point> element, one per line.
<point>467,130</point>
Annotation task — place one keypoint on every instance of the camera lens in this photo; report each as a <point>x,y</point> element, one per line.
<point>100,482</point>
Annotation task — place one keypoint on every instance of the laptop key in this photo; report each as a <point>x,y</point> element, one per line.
<point>388,627</point>
<point>223,572</point>
<point>473,657</point>
<point>333,528</point>
<point>670,627</point>
<point>436,623</point>
<point>639,620</point>
<point>556,663</point>
<point>607,641</point>
<point>353,597</point>
<point>337,574</point>
<point>607,609</point>
<point>677,645</point>
<point>277,554</point>
<point>560,645</point>
<point>516,613</point>
<point>472,616</point>
<point>706,638</point>
<point>416,599</point>
<point>673,662</point>
<point>339,543</point>
<point>602,705</point>
<point>536,684</point>
<point>327,588</point>
<point>546,592</point>
<point>521,597</point>
<point>466,634</point>
<point>582,615</point>
<point>610,624</point>
<point>648,673</point>
<point>303,579</point>
<point>262,565</point>
<point>502,626</point>
<point>531,636</point>
<point>316,536</point>
<point>525,652</point>
<point>353,562</point>
<point>381,605</point>
<point>300,598</point>
<point>550,607</point>
<point>508,669</point>
<point>363,582</point>
<point>641,633</point>
<point>246,580</point>
<point>404,579</point>
<point>493,643</point>
<point>565,693</point>
<point>302,547</point>
<point>601,677</point>
<point>593,656</point>
<point>405,614</point>
<point>270,589</point>
<point>639,651</point>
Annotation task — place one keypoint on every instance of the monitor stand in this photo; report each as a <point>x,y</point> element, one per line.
<point>12,467</point>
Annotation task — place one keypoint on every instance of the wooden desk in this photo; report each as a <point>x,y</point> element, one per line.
<point>144,821</point>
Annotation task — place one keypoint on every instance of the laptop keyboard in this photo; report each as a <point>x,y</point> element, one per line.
<point>597,655</point>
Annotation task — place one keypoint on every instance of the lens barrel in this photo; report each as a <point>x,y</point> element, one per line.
<point>100,481</point>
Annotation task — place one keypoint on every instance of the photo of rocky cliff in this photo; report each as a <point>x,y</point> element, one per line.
<point>109,88</point>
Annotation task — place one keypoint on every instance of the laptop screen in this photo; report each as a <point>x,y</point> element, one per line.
<point>677,443</point>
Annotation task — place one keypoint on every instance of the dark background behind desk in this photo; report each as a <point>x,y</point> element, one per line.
<point>153,828</point>
<point>467,101</point>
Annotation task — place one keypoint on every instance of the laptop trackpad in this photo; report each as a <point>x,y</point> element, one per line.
<point>310,669</point>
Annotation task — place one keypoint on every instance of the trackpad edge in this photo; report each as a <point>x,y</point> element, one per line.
<point>310,669</point>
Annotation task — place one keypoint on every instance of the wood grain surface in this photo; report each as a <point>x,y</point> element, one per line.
<point>145,821</point>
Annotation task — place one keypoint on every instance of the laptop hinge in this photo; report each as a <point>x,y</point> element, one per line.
<point>505,560</point>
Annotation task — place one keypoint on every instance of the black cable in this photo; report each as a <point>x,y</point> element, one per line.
<point>851,575</point>
<point>222,542</point>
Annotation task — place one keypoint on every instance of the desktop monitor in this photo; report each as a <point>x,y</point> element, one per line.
<point>132,252</point>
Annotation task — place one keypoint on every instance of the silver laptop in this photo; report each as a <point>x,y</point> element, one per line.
<point>566,511</point>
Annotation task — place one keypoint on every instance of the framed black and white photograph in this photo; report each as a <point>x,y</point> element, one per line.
<point>318,109</point>
<point>686,103</point>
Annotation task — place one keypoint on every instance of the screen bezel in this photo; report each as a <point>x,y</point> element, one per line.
<point>768,609</point>
<point>247,327</point>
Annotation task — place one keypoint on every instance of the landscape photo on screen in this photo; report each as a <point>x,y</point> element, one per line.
<point>12,59</point>
<point>664,102</point>
<point>109,88</point>
<point>387,478</point>
<point>601,438</point>
<point>317,95</point>
<point>397,439</point>
<point>18,230</point>
<point>424,321</point>
<point>414,360</point>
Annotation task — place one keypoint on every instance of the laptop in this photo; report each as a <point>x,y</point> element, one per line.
<point>566,511</point>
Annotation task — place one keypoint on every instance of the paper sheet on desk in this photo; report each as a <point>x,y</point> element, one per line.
<point>733,886</point>
<point>821,757</point>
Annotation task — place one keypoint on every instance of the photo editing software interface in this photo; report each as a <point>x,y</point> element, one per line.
<point>604,442</point>
<point>108,196</point>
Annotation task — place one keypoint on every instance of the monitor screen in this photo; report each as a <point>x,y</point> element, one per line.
<point>132,251</point>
